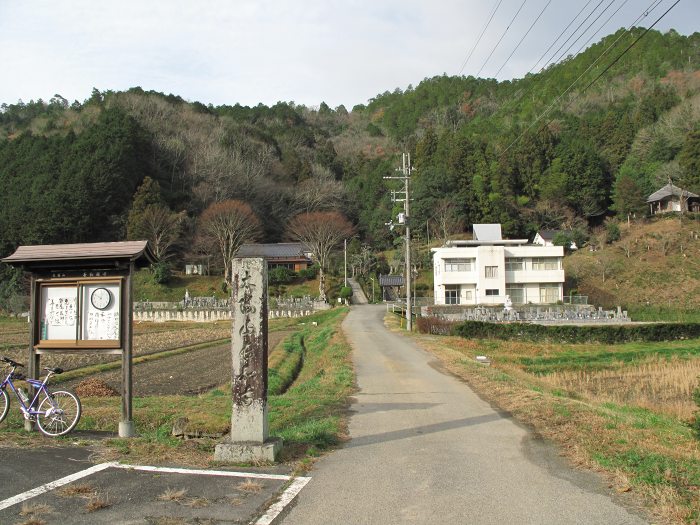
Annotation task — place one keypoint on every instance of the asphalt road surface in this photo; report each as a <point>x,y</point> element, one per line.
<point>425,449</point>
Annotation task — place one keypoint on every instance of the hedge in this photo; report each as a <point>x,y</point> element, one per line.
<point>606,334</point>
<point>435,326</point>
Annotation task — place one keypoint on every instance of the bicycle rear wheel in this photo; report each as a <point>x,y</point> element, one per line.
<point>59,412</point>
<point>4,403</point>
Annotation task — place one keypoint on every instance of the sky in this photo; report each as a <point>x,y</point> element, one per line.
<point>304,51</point>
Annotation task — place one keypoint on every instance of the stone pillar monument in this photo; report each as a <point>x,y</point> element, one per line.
<point>249,439</point>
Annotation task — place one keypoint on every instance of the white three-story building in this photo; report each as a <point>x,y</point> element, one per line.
<point>489,268</point>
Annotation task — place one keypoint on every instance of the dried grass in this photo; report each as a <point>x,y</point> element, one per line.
<point>35,509</point>
<point>97,502</point>
<point>250,486</point>
<point>197,503</point>
<point>82,490</point>
<point>173,495</point>
<point>662,386</point>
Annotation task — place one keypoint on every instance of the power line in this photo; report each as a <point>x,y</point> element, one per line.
<point>600,28</point>
<point>523,38</point>
<point>548,81</point>
<point>493,13</point>
<point>550,59</point>
<point>549,108</point>
<point>630,47</point>
<point>585,31</point>
<point>644,13</point>
<point>560,35</point>
<point>500,39</point>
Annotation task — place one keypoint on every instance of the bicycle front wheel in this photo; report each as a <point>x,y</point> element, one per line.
<point>4,403</point>
<point>59,412</point>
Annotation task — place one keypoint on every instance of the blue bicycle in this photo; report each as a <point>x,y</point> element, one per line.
<point>58,412</point>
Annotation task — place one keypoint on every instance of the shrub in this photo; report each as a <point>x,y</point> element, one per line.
<point>608,334</point>
<point>435,326</point>
<point>161,272</point>
<point>309,273</point>
<point>612,232</point>
<point>281,275</point>
<point>563,239</point>
<point>345,292</point>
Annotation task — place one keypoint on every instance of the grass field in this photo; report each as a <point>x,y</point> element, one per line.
<point>307,410</point>
<point>624,409</point>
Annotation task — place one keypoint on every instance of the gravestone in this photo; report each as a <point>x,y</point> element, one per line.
<point>249,439</point>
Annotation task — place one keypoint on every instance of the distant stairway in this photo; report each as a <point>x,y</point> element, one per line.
<point>358,295</point>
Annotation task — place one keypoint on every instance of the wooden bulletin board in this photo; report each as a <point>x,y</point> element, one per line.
<point>79,314</point>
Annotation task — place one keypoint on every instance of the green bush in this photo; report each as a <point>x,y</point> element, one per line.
<point>345,292</point>
<point>612,232</point>
<point>608,334</point>
<point>281,275</point>
<point>309,273</point>
<point>161,272</point>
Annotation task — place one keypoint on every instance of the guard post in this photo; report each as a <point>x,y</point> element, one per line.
<point>81,302</point>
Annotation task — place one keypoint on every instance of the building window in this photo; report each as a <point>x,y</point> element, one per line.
<point>492,292</point>
<point>491,272</point>
<point>546,263</point>
<point>514,264</point>
<point>516,292</point>
<point>458,265</point>
<point>549,293</point>
<point>451,294</point>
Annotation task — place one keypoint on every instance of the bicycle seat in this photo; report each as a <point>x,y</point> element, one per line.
<point>10,361</point>
<point>55,370</point>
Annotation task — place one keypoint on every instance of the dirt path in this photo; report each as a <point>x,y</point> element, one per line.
<point>189,373</point>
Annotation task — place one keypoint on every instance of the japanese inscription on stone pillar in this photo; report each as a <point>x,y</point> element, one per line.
<point>249,350</point>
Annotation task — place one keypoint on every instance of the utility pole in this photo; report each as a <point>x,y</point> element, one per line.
<point>404,220</point>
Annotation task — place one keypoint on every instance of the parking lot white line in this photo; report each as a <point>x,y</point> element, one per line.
<point>203,472</point>
<point>24,496</point>
<point>285,499</point>
<point>272,512</point>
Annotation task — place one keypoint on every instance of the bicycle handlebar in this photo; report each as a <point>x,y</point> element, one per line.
<point>11,362</point>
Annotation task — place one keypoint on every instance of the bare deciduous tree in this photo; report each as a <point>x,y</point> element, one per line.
<point>320,192</point>
<point>446,219</point>
<point>320,232</point>
<point>229,223</point>
<point>162,229</point>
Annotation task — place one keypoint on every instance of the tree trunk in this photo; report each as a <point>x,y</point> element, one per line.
<point>321,285</point>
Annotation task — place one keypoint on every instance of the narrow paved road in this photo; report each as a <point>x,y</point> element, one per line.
<point>358,295</point>
<point>425,449</point>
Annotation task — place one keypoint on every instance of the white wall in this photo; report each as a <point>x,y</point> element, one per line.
<point>495,256</point>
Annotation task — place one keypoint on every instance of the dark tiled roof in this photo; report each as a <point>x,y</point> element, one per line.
<point>548,235</point>
<point>288,250</point>
<point>128,250</point>
<point>391,280</point>
<point>668,191</point>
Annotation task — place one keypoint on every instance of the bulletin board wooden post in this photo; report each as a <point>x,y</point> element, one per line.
<point>81,302</point>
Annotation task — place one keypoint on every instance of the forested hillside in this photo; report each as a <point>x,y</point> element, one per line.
<point>539,152</point>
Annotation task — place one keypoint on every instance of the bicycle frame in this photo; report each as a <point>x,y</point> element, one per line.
<point>39,386</point>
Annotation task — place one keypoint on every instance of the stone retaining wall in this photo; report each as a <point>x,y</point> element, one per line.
<point>549,314</point>
<point>204,316</point>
